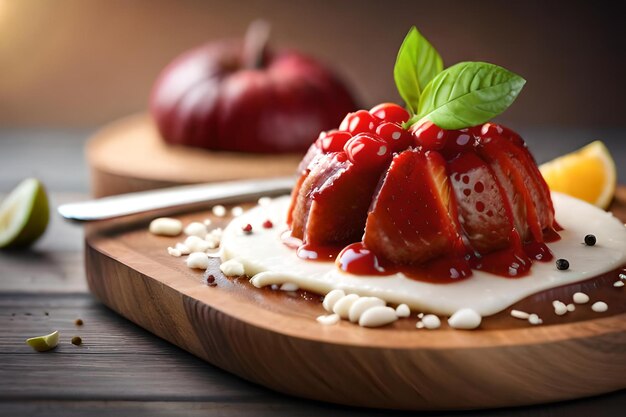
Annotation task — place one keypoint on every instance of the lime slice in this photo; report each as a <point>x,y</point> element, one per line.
<point>43,343</point>
<point>24,214</point>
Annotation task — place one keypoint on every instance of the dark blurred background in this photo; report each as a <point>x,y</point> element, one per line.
<point>80,63</point>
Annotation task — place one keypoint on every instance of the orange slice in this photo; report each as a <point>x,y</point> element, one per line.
<point>588,174</point>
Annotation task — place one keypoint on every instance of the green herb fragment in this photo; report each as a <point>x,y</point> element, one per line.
<point>468,94</point>
<point>418,62</point>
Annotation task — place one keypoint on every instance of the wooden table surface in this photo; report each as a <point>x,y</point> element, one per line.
<point>121,369</point>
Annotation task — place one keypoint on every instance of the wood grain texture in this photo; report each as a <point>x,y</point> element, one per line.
<point>609,405</point>
<point>275,341</point>
<point>129,155</point>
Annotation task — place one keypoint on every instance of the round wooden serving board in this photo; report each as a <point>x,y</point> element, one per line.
<point>129,156</point>
<point>272,338</point>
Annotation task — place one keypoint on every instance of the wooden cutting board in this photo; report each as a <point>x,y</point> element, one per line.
<point>272,338</point>
<point>129,155</point>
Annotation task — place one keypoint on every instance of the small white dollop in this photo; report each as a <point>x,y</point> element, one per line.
<point>403,310</point>
<point>419,325</point>
<point>534,319</point>
<point>331,298</point>
<point>219,210</point>
<point>195,229</point>
<point>165,226</point>
<point>232,268</point>
<point>420,315</point>
<point>196,244</point>
<point>377,316</point>
<point>289,286</point>
<point>622,276</point>
<point>519,314</point>
<point>431,321</point>
<point>361,305</point>
<point>198,260</point>
<point>571,307</point>
<point>329,319</point>
<point>559,307</point>
<point>236,211</point>
<point>580,298</point>
<point>174,252</point>
<point>599,307</point>
<point>184,250</point>
<point>212,241</point>
<point>265,201</point>
<point>207,222</point>
<point>342,306</point>
<point>465,319</point>
<point>618,283</point>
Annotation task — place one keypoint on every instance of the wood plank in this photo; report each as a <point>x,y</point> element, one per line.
<point>118,360</point>
<point>609,405</point>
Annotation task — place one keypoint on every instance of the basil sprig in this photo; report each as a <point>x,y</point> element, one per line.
<point>463,95</point>
<point>417,63</point>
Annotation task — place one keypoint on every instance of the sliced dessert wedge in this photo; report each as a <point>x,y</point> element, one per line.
<point>410,221</point>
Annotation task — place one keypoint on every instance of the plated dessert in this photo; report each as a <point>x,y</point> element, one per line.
<point>432,209</point>
<point>407,226</point>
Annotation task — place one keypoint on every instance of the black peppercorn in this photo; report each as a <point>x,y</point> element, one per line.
<point>562,264</point>
<point>590,240</point>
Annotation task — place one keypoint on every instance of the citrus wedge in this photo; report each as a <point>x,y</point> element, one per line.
<point>24,214</point>
<point>44,343</point>
<point>588,174</point>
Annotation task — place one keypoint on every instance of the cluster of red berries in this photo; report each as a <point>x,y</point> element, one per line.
<point>370,138</point>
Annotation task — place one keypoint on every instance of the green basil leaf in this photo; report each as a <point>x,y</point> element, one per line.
<point>417,63</point>
<point>468,94</point>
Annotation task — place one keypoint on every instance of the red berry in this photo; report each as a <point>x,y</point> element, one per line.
<point>247,228</point>
<point>367,150</point>
<point>490,129</point>
<point>333,141</point>
<point>268,224</point>
<point>458,142</point>
<point>429,135</point>
<point>392,133</point>
<point>341,157</point>
<point>359,122</point>
<point>390,112</point>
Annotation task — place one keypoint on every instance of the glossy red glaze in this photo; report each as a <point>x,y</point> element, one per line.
<point>360,121</point>
<point>459,142</point>
<point>390,112</point>
<point>429,136</point>
<point>478,202</point>
<point>357,259</point>
<point>397,138</point>
<point>367,150</point>
<point>409,221</point>
<point>333,141</point>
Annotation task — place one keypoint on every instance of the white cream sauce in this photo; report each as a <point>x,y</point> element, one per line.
<point>268,261</point>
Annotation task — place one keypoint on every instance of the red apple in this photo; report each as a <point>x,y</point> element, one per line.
<point>240,96</point>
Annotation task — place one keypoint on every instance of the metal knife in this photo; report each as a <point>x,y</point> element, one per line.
<point>175,198</point>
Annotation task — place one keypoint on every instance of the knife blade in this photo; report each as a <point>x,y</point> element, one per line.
<point>174,197</point>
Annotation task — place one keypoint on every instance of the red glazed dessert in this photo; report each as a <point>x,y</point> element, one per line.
<point>429,202</point>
